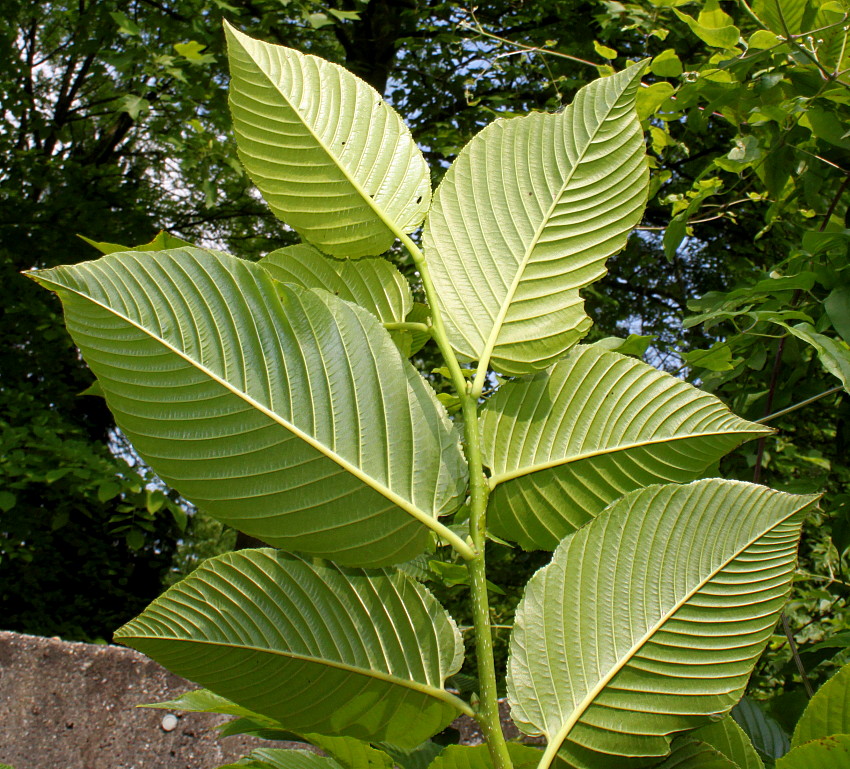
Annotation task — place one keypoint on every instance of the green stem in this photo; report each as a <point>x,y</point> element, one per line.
<point>408,326</point>
<point>487,713</point>
<point>488,709</point>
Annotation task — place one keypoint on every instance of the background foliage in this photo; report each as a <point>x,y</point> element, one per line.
<point>115,126</point>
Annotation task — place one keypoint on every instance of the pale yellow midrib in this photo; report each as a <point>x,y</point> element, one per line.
<point>427,689</point>
<point>493,338</point>
<point>520,472</point>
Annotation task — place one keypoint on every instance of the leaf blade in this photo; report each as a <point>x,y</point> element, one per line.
<point>331,158</point>
<point>370,666</point>
<point>306,391</point>
<point>665,590</point>
<point>567,443</point>
<point>510,246</point>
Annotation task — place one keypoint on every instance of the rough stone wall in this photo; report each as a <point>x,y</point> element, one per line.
<point>72,706</point>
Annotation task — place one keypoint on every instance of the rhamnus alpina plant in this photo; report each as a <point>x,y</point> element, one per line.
<point>278,396</point>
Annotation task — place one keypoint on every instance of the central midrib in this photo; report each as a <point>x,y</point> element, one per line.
<point>492,339</point>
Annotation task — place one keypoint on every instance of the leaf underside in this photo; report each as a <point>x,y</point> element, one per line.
<point>527,215</point>
<point>650,618</point>
<point>287,414</point>
<point>330,156</point>
<point>315,647</point>
<point>373,284</point>
<point>567,443</point>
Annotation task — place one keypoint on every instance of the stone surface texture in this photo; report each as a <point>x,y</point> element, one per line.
<point>73,706</point>
<point>68,705</point>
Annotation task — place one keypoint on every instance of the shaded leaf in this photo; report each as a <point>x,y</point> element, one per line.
<point>372,666</point>
<point>828,712</point>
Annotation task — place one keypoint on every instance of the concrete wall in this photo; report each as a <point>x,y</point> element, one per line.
<point>72,706</point>
<point>67,705</point>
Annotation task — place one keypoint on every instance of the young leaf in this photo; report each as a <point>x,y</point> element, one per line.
<point>828,712</point>
<point>372,665</point>
<point>726,737</point>
<point>567,443</point>
<point>527,215</point>
<point>374,284</point>
<point>826,753</point>
<point>287,414</point>
<point>331,157</point>
<point>650,618</point>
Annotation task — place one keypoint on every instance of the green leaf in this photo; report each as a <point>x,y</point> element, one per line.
<point>764,732</point>
<point>203,701</point>
<point>372,666</point>
<point>350,753</point>
<point>374,284</point>
<point>833,354</point>
<point>329,155</point>
<point>478,757</point>
<point>732,741</point>
<point>826,753</point>
<point>648,100</point>
<point>7,501</point>
<point>287,414</point>
<point>782,16</point>
<point>279,758</point>
<point>712,25</point>
<point>420,757</point>
<point>837,306</point>
<point>656,577</point>
<point>565,444</point>
<point>717,358</point>
<point>527,215</point>
<point>690,753</point>
<point>828,712</point>
<point>666,64</point>
<point>161,242</point>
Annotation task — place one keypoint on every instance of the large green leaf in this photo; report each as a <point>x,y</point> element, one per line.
<point>567,443</point>
<point>527,215</point>
<point>374,284</point>
<point>330,156</point>
<point>292,418</point>
<point>650,618</point>
<point>826,753</point>
<point>726,737</point>
<point>828,712</point>
<point>316,647</point>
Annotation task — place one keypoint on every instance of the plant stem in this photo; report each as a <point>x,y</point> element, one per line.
<point>487,714</point>
<point>801,404</point>
<point>488,710</point>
